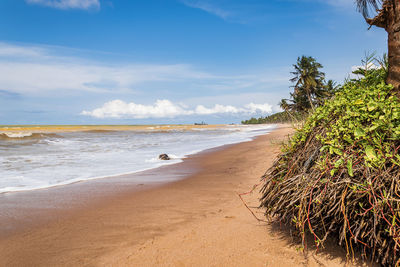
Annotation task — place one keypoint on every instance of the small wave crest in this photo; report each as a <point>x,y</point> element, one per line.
<point>25,135</point>
<point>101,131</point>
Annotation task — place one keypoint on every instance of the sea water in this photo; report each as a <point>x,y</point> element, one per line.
<point>37,160</point>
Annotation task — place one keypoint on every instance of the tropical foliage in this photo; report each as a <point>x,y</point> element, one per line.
<point>308,81</point>
<point>310,90</point>
<point>339,175</point>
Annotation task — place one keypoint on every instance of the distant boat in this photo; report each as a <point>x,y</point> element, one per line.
<point>201,123</point>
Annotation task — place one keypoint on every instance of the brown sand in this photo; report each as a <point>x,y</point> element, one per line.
<point>198,221</point>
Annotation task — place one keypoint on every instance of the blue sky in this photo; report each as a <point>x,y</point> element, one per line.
<point>165,61</point>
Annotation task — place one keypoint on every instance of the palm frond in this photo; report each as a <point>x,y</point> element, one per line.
<point>363,6</point>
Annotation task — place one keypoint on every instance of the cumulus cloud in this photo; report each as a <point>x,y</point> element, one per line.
<point>259,108</point>
<point>67,4</point>
<point>118,108</point>
<point>370,66</point>
<point>167,109</point>
<point>217,109</point>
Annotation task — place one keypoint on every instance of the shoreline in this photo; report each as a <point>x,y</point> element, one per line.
<point>150,225</point>
<point>106,128</point>
<point>34,207</point>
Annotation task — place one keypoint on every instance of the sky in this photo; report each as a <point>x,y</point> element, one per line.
<point>167,61</point>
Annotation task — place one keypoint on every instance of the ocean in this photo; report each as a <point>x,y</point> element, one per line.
<point>42,157</point>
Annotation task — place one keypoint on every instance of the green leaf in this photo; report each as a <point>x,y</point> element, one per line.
<point>372,106</point>
<point>338,163</point>
<point>337,151</point>
<point>350,167</point>
<point>373,127</point>
<point>370,153</point>
<point>324,148</point>
<point>359,102</point>
<point>359,132</point>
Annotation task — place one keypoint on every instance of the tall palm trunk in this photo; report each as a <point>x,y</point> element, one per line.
<point>310,99</point>
<point>393,30</point>
<point>389,19</point>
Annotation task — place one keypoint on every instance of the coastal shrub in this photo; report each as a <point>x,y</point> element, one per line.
<point>338,176</point>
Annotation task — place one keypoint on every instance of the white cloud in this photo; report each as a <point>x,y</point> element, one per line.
<point>237,99</point>
<point>207,7</point>
<point>7,50</point>
<point>34,70</point>
<point>259,108</point>
<point>167,109</point>
<point>217,109</point>
<point>370,66</point>
<point>119,108</point>
<point>67,4</point>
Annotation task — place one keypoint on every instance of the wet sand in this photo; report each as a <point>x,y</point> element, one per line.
<point>197,221</point>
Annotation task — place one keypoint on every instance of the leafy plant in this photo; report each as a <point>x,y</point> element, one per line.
<point>340,174</point>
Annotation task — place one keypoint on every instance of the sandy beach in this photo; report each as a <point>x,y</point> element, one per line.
<point>197,221</point>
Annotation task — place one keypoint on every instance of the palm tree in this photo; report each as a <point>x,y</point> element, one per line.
<point>287,107</point>
<point>331,87</point>
<point>307,78</point>
<point>387,17</point>
<point>367,64</point>
<point>284,104</point>
<point>383,62</point>
<point>326,92</point>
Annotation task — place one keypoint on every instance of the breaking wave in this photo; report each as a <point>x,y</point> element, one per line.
<point>26,135</point>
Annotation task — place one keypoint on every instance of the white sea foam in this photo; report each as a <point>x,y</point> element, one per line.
<point>52,160</point>
<point>17,134</point>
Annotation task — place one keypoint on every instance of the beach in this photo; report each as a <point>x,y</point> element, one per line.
<point>196,221</point>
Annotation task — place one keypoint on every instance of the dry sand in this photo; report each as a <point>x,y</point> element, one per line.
<point>198,221</point>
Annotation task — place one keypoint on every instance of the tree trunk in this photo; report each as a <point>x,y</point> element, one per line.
<point>310,100</point>
<point>389,19</point>
<point>393,30</point>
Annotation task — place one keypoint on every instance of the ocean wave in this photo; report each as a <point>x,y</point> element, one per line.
<point>32,159</point>
<point>26,135</point>
<point>101,131</point>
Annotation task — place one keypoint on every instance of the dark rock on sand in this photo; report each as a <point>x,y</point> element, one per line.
<point>164,157</point>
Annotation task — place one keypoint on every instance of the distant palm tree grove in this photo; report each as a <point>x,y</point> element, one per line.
<point>310,90</point>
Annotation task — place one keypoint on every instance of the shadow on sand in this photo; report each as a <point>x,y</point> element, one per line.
<point>330,252</point>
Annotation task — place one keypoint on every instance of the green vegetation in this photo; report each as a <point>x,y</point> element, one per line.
<point>339,175</point>
<point>309,88</point>
<point>310,91</point>
<point>280,117</point>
